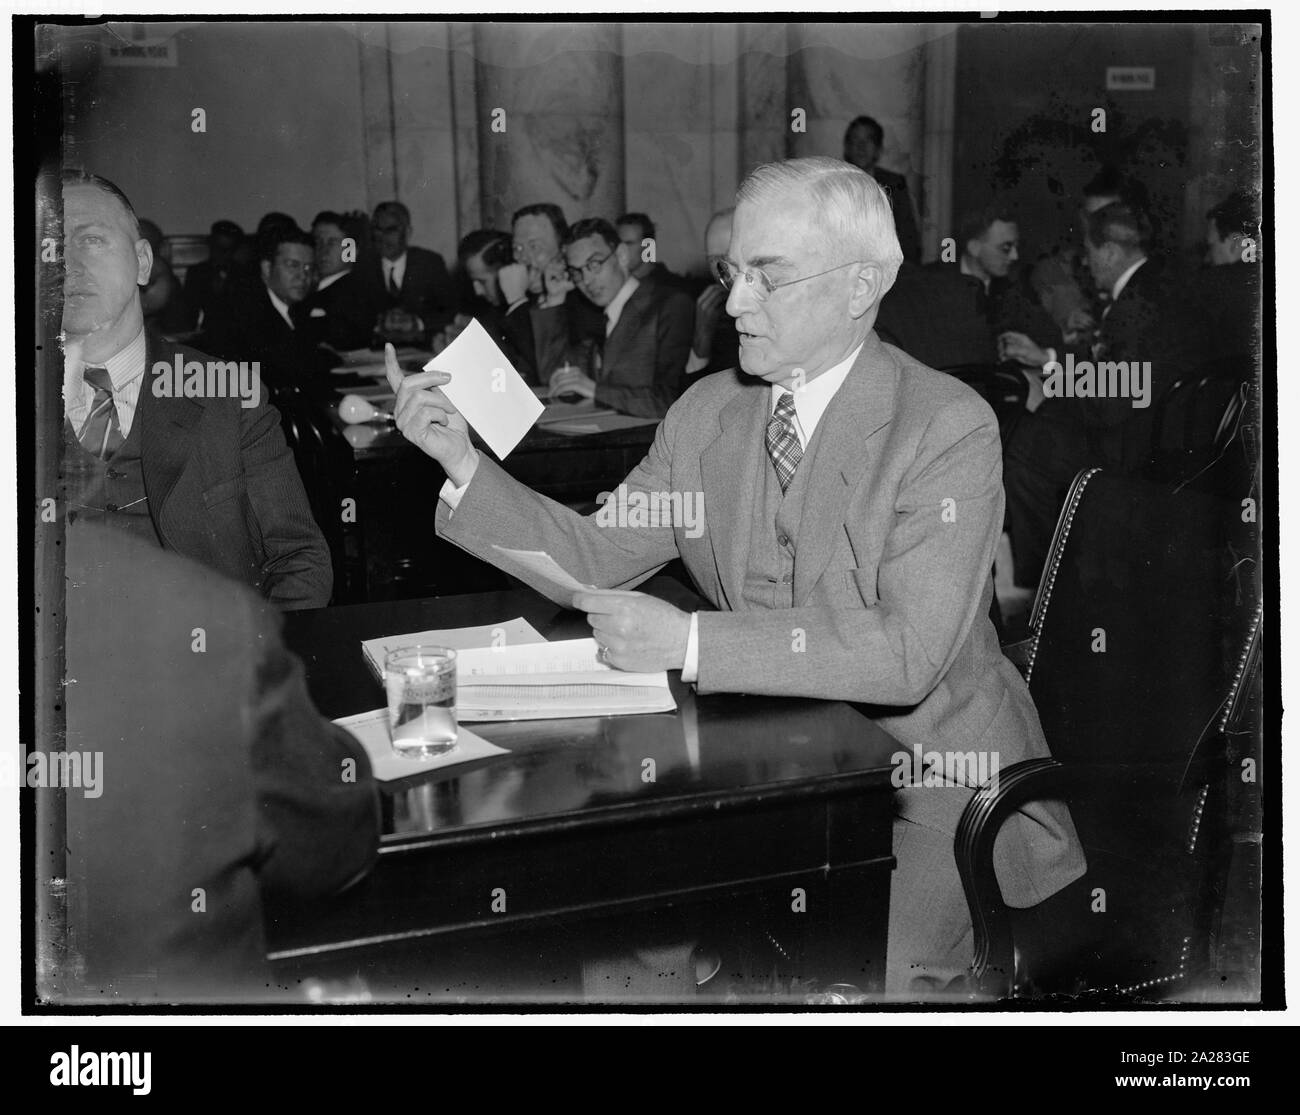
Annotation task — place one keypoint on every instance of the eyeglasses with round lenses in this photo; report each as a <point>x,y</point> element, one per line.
<point>591,268</point>
<point>760,282</point>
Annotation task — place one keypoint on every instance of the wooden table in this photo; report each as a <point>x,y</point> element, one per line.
<point>775,813</point>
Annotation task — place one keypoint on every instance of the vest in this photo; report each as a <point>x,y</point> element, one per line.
<point>112,491</point>
<point>769,568</point>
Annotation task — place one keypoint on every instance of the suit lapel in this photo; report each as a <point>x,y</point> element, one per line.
<point>863,405</point>
<point>727,467</point>
<point>165,432</point>
<point>629,321</point>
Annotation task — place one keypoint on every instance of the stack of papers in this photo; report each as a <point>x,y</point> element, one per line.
<point>458,638</point>
<point>550,681</point>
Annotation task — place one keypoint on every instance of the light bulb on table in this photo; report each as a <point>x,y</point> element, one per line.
<point>354,409</point>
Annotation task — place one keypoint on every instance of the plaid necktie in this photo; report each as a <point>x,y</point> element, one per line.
<point>783,441</point>
<point>101,434</point>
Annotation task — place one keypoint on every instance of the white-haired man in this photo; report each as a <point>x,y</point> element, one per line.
<point>875,591</point>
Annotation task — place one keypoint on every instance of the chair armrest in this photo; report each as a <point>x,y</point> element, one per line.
<point>993,968</point>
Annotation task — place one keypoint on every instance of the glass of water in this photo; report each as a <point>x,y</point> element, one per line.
<point>421,685</point>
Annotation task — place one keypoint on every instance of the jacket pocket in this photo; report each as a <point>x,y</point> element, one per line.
<point>222,492</point>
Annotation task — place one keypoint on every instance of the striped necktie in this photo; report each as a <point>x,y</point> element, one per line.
<point>783,440</point>
<point>101,434</point>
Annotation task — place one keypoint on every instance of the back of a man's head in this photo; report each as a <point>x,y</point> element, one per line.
<point>851,210</point>
<point>1123,225</point>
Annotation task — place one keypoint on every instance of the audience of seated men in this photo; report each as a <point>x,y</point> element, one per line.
<point>637,232</point>
<point>340,309</point>
<point>209,283</point>
<point>715,343</point>
<point>271,324</point>
<point>1145,327</point>
<point>637,368</point>
<point>545,314</point>
<point>409,285</point>
<point>950,314</point>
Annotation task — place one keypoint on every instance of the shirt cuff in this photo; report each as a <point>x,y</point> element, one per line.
<point>691,666</point>
<point>696,363</point>
<point>1051,357</point>
<point>450,494</point>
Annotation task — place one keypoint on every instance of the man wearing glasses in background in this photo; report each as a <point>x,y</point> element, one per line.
<point>852,503</point>
<point>648,325</point>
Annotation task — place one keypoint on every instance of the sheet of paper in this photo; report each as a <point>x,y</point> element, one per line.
<point>370,729</point>
<point>566,662</point>
<point>486,389</point>
<point>514,631</point>
<point>541,564</point>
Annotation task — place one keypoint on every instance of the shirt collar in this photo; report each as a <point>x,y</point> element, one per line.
<point>1122,281</point>
<point>812,399</point>
<point>394,264</point>
<point>127,364</point>
<point>281,307</point>
<point>615,309</point>
<point>984,280</point>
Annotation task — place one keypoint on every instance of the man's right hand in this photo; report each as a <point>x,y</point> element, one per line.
<point>707,307</point>
<point>429,421</point>
<point>513,281</point>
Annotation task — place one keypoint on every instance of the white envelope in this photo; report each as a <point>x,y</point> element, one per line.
<point>486,389</point>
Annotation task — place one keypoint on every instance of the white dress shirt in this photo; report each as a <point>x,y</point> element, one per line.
<point>615,309</point>
<point>125,372</point>
<point>330,280</point>
<point>394,271</point>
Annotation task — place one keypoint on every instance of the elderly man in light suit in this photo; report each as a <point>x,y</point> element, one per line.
<point>852,502</point>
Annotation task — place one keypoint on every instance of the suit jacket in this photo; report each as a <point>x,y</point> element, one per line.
<point>892,580</point>
<point>427,290</point>
<point>290,358</point>
<point>221,784</point>
<point>224,490</point>
<point>343,315</point>
<point>1148,322</point>
<point>944,319</point>
<point>545,337</point>
<point>643,359</point>
<point>900,200</point>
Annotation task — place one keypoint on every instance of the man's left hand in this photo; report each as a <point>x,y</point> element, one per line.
<point>572,380</point>
<point>641,633</point>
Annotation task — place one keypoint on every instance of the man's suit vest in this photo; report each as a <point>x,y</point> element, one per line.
<point>774,531</point>
<point>112,491</point>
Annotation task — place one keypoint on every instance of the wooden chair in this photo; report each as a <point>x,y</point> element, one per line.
<point>1145,641</point>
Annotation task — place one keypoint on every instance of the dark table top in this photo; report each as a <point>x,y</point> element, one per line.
<point>716,750</point>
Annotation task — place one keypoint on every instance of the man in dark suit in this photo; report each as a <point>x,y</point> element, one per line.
<point>340,311</point>
<point>638,368</point>
<point>206,474</point>
<point>949,314</point>
<point>545,315</point>
<point>1145,327</point>
<point>863,139</point>
<point>715,346</point>
<point>853,505</point>
<point>221,784</point>
<point>210,282</point>
<point>1228,288</point>
<point>270,323</point>
<point>409,284</point>
<point>636,232</point>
